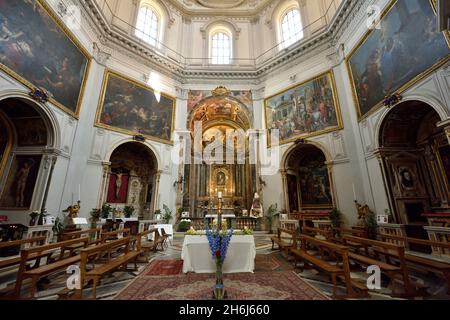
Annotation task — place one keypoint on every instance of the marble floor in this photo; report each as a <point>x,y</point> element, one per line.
<point>113,284</point>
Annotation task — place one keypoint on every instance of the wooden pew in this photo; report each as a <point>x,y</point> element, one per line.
<point>389,269</point>
<point>440,268</point>
<point>93,236</point>
<point>12,261</point>
<point>104,258</point>
<point>314,232</point>
<point>284,243</point>
<point>144,245</point>
<point>114,235</point>
<point>335,271</point>
<point>53,265</point>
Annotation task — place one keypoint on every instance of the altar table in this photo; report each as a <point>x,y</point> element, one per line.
<point>197,255</point>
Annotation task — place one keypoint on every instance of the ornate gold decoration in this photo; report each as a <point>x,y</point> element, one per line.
<point>220,91</point>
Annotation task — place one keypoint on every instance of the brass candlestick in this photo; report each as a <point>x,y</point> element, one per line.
<point>219,213</point>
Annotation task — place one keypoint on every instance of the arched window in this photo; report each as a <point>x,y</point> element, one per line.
<point>291,27</point>
<point>221,48</point>
<point>147,25</point>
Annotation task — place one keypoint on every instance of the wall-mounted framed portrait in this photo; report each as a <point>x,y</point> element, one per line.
<point>130,107</point>
<point>38,50</point>
<point>406,48</point>
<point>307,109</point>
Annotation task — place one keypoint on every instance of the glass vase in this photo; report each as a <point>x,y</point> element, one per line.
<point>219,290</point>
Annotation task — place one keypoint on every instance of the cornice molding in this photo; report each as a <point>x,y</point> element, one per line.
<point>115,41</point>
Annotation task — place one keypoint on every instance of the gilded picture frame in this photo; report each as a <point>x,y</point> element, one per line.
<point>110,74</point>
<point>329,75</point>
<point>72,39</point>
<point>402,88</point>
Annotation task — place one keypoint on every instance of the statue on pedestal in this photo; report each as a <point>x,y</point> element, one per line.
<point>256,211</point>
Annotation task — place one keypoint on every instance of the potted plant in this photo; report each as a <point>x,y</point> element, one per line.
<point>336,220</point>
<point>41,217</point>
<point>33,216</point>
<point>95,217</point>
<point>271,214</point>
<point>184,225</point>
<point>371,225</point>
<point>106,211</point>
<point>128,211</point>
<point>58,228</point>
<point>168,215</point>
<point>157,214</point>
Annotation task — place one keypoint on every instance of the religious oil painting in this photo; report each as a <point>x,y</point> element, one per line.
<point>20,184</point>
<point>39,51</point>
<point>132,108</point>
<point>405,48</point>
<point>308,109</point>
<point>30,132</point>
<point>315,185</point>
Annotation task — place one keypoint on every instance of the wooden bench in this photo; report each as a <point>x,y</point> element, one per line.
<point>284,243</point>
<point>389,269</point>
<point>144,245</point>
<point>104,258</point>
<point>53,265</point>
<point>114,235</point>
<point>12,261</point>
<point>93,236</point>
<point>339,270</point>
<point>441,268</point>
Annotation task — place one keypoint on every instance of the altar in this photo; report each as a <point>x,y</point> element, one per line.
<point>197,256</point>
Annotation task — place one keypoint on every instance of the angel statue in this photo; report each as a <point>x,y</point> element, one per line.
<point>73,210</point>
<point>256,211</point>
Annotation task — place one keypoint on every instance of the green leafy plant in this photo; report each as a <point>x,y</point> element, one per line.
<point>58,227</point>
<point>168,215</point>
<point>106,210</point>
<point>271,214</point>
<point>336,220</point>
<point>128,211</point>
<point>371,224</point>
<point>95,216</point>
<point>41,217</point>
<point>33,216</point>
<point>184,225</point>
<point>157,213</point>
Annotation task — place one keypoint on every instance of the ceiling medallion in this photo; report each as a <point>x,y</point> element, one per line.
<point>220,91</point>
<point>220,4</point>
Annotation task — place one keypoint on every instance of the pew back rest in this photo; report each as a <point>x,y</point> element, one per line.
<point>93,234</point>
<point>144,235</point>
<point>104,252</point>
<point>377,244</point>
<point>403,240</point>
<point>327,234</point>
<point>114,235</point>
<point>24,243</point>
<point>340,249</point>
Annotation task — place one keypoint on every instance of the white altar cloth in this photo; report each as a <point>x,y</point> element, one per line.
<point>197,255</point>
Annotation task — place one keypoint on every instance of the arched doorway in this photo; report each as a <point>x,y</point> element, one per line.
<point>25,136</point>
<point>308,180</point>
<point>416,161</point>
<point>131,178</point>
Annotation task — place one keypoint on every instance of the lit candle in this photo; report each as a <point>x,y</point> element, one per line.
<point>219,195</point>
<point>354,192</point>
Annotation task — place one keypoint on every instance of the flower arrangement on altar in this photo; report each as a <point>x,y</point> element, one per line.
<point>247,231</point>
<point>192,232</point>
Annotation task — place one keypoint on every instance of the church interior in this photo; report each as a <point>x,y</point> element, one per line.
<point>224,150</point>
